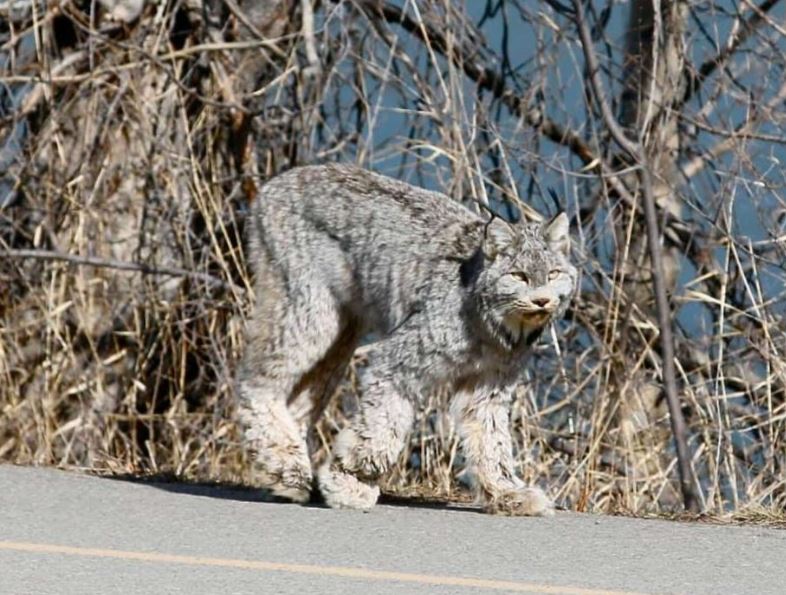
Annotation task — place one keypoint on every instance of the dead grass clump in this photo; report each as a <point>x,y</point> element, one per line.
<point>132,145</point>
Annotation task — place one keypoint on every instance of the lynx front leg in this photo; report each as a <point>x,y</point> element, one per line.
<point>366,448</point>
<point>484,429</point>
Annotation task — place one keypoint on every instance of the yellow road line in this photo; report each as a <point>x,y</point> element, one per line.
<point>340,571</point>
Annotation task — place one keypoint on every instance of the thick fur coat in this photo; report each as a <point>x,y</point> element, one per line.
<point>455,301</point>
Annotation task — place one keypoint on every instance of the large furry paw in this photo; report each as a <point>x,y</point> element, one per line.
<point>342,490</point>
<point>296,493</point>
<point>521,502</point>
<point>284,477</point>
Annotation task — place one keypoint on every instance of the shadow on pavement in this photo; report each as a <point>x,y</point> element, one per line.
<point>244,493</point>
<point>222,491</point>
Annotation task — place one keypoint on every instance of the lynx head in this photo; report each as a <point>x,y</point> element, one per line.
<point>525,278</point>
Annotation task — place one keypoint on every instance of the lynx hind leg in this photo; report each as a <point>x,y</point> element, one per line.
<point>281,462</point>
<point>367,448</point>
<point>314,390</point>
<point>484,430</point>
<point>287,337</point>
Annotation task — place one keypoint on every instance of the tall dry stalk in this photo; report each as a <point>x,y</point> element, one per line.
<point>132,145</point>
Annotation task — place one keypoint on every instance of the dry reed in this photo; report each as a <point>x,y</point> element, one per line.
<point>131,151</point>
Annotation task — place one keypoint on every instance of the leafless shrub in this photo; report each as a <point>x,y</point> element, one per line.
<point>132,145</point>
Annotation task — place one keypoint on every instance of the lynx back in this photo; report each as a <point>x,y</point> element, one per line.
<point>456,302</point>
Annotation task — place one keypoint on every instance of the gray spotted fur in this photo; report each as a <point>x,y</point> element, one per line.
<point>339,253</point>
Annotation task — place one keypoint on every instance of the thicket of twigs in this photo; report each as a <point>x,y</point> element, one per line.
<point>134,136</point>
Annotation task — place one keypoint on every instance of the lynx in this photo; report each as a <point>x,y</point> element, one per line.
<point>455,301</point>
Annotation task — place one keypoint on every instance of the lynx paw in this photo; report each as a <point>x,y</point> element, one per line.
<point>342,490</point>
<point>522,502</point>
<point>286,478</point>
<point>297,493</point>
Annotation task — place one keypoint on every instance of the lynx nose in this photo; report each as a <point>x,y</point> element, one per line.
<point>541,302</point>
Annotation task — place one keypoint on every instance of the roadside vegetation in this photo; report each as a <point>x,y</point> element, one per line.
<point>133,138</point>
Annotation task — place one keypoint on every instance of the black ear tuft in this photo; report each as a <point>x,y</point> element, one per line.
<point>555,199</point>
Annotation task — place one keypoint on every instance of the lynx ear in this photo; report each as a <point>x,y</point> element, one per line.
<point>498,235</point>
<point>556,233</point>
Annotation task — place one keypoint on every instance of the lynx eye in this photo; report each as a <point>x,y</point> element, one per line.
<point>553,274</point>
<point>523,277</point>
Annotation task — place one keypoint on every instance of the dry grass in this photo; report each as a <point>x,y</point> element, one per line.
<point>140,145</point>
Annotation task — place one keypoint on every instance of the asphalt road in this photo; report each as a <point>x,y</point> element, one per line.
<point>64,533</point>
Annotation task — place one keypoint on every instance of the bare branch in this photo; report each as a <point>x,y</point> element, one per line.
<point>308,37</point>
<point>484,77</point>
<point>695,79</point>
<point>118,265</point>
<point>636,152</point>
